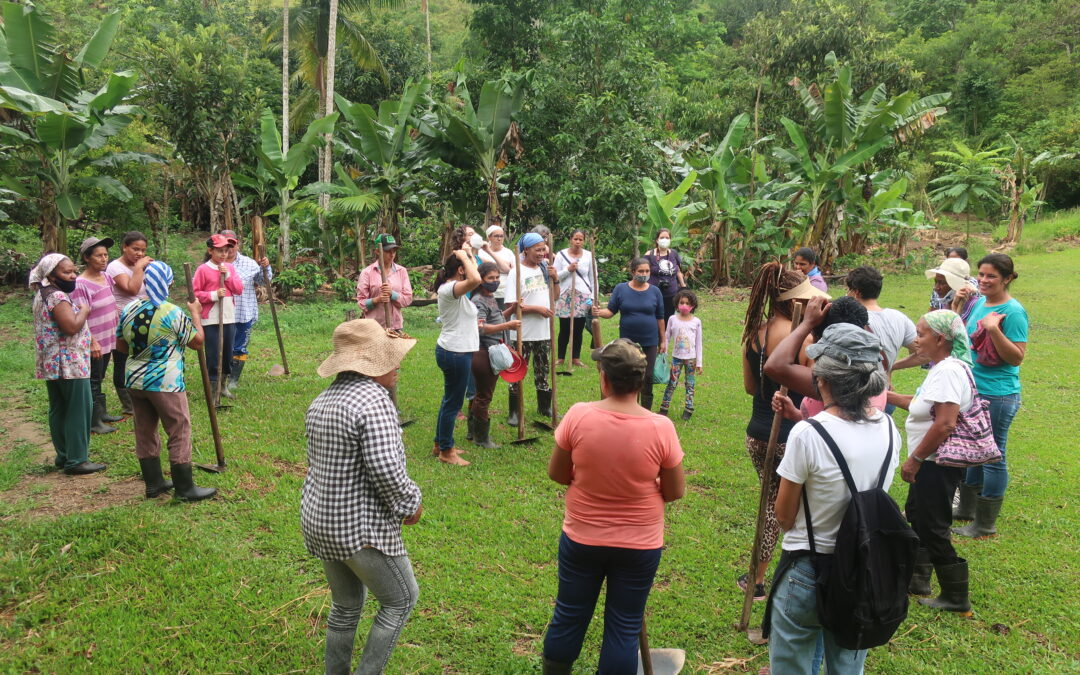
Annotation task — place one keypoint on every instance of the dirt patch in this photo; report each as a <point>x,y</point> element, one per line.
<point>282,467</point>
<point>56,494</point>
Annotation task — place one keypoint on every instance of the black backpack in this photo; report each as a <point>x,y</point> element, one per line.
<point>862,588</point>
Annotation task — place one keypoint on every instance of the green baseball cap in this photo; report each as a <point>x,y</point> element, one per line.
<point>386,242</point>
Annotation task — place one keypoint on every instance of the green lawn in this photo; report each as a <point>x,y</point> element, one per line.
<point>226,585</point>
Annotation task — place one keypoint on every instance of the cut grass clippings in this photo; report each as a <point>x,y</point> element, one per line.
<point>227,586</point>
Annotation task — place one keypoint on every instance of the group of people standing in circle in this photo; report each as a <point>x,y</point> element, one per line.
<point>119,311</point>
<point>837,365</point>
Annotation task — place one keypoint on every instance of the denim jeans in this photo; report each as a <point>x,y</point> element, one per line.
<point>241,338</point>
<point>796,629</point>
<point>582,570</point>
<point>994,477</point>
<point>391,581</point>
<point>212,345</point>
<point>457,369</point>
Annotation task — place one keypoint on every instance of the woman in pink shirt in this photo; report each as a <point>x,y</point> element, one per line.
<point>218,299</point>
<point>621,463</point>
<point>94,288</point>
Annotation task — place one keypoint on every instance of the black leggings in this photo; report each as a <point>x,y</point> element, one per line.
<point>564,335</point>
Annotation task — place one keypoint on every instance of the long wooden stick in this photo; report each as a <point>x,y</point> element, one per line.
<point>520,386</point>
<point>221,333</point>
<point>643,646</point>
<point>211,411</point>
<point>570,305</point>
<point>259,246</point>
<point>763,498</point>
<point>551,344</point>
<point>386,313</point>
<point>597,338</point>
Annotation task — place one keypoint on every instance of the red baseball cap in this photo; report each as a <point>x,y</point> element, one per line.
<point>219,240</point>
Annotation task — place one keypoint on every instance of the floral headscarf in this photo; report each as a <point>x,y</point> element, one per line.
<point>39,276</point>
<point>950,326</point>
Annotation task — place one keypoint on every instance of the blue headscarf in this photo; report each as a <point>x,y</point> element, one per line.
<point>529,239</point>
<point>157,278</point>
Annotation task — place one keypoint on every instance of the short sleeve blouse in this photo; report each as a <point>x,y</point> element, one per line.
<point>59,356</point>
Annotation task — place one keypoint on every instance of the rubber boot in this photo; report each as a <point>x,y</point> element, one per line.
<point>105,416</point>
<point>186,490</point>
<point>543,403</point>
<point>234,376</point>
<point>97,425</point>
<point>986,515</point>
<point>556,668</point>
<point>646,397</point>
<point>512,405</point>
<point>966,509</point>
<point>470,422</point>
<point>482,434</point>
<point>920,580</point>
<point>125,400</point>
<point>151,475</point>
<point>214,392</point>
<point>954,589</point>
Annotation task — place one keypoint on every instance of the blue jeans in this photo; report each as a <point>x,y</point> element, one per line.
<point>241,338</point>
<point>582,570</point>
<point>457,369</point>
<point>391,580</point>
<point>796,629</point>
<point>994,477</point>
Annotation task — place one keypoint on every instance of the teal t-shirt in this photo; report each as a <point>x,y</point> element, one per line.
<point>1000,380</point>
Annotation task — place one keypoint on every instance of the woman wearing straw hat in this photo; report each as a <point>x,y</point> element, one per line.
<point>357,494</point>
<point>95,288</point>
<point>62,343</point>
<point>153,334</point>
<point>932,412</point>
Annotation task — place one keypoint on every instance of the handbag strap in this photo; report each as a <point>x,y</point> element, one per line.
<point>578,270</point>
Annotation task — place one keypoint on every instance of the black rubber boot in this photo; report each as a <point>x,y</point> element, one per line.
<point>151,475</point>
<point>105,416</point>
<point>482,434</point>
<point>470,423</point>
<point>662,410</point>
<point>512,405</point>
<point>97,424</point>
<point>186,490</point>
<point>687,414</point>
<point>966,509</point>
<point>954,589</point>
<point>556,668</point>
<point>986,515</point>
<point>646,397</point>
<point>920,580</point>
<point>234,376</point>
<point>543,403</point>
<point>125,400</point>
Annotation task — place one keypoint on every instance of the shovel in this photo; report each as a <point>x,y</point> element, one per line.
<point>754,634</point>
<point>211,412</point>
<point>551,352</point>
<point>657,661</point>
<point>259,244</point>
<point>521,439</point>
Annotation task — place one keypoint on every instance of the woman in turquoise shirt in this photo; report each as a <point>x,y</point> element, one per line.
<point>1006,323</point>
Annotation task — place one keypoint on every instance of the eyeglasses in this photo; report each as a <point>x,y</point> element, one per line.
<point>496,236</point>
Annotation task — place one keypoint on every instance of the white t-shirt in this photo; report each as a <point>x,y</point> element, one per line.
<point>460,332</point>
<point>894,330</point>
<point>506,255</point>
<point>809,462</point>
<point>947,382</point>
<point>534,291</point>
<point>117,268</point>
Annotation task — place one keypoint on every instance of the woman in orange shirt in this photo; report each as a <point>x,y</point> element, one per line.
<point>621,463</point>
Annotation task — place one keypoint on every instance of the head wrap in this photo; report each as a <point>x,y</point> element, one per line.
<point>158,277</point>
<point>847,344</point>
<point>492,228</point>
<point>39,276</point>
<point>950,326</point>
<point>529,239</point>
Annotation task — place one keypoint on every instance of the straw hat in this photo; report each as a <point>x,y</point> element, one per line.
<point>804,291</point>
<point>363,346</point>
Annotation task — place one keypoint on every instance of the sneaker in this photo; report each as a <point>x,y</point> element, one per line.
<point>759,589</point>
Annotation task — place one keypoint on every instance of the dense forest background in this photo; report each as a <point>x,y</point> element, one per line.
<point>615,103</point>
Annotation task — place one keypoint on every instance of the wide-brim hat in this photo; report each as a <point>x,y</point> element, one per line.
<point>804,291</point>
<point>955,270</point>
<point>92,242</point>
<point>364,346</point>
<point>517,371</point>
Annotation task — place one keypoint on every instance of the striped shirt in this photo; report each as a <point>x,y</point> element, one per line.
<point>103,314</point>
<point>247,305</point>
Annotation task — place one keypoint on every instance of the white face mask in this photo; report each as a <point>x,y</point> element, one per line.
<point>664,242</point>
<point>476,241</point>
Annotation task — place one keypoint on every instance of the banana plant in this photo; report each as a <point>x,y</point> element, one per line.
<point>478,138</point>
<point>387,158</point>
<point>666,211</point>
<point>59,124</point>
<point>284,169</point>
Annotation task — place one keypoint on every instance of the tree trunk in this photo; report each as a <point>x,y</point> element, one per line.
<point>283,218</point>
<point>427,32</point>
<point>327,107</point>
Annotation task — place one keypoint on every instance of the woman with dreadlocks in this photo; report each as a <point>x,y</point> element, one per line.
<point>768,322</point>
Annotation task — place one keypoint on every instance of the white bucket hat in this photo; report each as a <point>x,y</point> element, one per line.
<point>955,270</point>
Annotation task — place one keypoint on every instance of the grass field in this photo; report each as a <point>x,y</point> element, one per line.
<point>226,586</point>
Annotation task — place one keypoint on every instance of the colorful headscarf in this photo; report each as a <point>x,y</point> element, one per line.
<point>157,278</point>
<point>39,276</point>
<point>950,326</point>
<point>529,239</point>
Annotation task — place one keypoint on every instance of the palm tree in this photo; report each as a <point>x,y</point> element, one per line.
<point>970,182</point>
<point>325,157</point>
<point>283,228</point>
